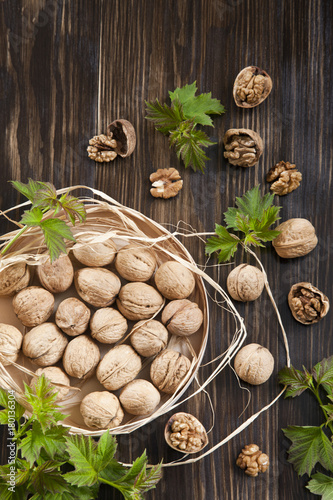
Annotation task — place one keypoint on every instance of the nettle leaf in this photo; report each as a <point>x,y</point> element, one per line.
<point>295,380</point>
<point>52,441</point>
<point>82,456</point>
<point>106,449</point>
<point>224,243</point>
<point>310,445</point>
<point>320,484</point>
<point>55,232</point>
<point>28,190</point>
<point>32,217</point>
<point>323,373</point>
<point>188,147</point>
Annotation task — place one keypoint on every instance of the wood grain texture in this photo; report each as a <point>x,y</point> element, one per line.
<point>69,68</point>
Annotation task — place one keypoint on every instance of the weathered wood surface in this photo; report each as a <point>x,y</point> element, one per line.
<point>69,68</point>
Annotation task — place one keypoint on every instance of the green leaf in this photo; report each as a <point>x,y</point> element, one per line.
<point>323,373</point>
<point>19,409</point>
<point>52,441</point>
<point>55,232</point>
<point>225,244</point>
<point>47,478</point>
<point>28,190</point>
<point>106,449</point>
<point>310,445</point>
<point>253,204</point>
<point>183,94</point>
<point>32,217</point>
<point>165,118</point>
<point>295,380</point>
<point>329,410</point>
<point>188,144</point>
<point>320,484</point>
<point>46,197</point>
<point>18,492</point>
<point>73,207</point>
<point>82,455</point>
<point>42,398</point>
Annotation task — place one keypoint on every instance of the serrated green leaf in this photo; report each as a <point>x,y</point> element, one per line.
<point>323,373</point>
<point>230,218</point>
<point>253,204</point>
<point>73,207</point>
<point>106,449</point>
<point>188,144</point>
<point>320,484</point>
<point>55,232</point>
<point>32,217</point>
<point>46,197</point>
<point>18,492</point>
<point>329,410</point>
<point>183,94</point>
<point>47,478</point>
<point>295,380</point>
<point>310,445</point>
<point>82,455</point>
<point>163,116</point>
<point>28,190</point>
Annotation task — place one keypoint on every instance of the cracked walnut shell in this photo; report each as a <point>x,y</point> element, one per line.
<point>308,304</point>
<point>56,276</point>
<point>101,410</point>
<point>297,238</point>
<point>94,254</point>
<point>174,280</point>
<point>10,343</point>
<point>168,370</point>
<point>14,278</point>
<point>123,132</point>
<point>139,301</point>
<point>184,433</point>
<point>107,325</point>
<point>33,305</point>
<point>72,316</point>
<point>286,178</point>
<point>166,183</point>
<point>182,317</point>
<point>243,147</point>
<point>149,337</point>
<point>81,357</point>
<point>245,283</point>
<point>139,397</point>
<point>97,286</point>
<point>44,345</point>
<point>118,367</point>
<point>252,460</point>
<point>135,262</point>
<point>252,86</point>
<point>254,364</point>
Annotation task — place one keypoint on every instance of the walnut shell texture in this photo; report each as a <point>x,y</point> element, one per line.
<point>118,367</point>
<point>149,337</point>
<point>182,317</point>
<point>101,410</point>
<point>124,133</point>
<point>297,238</point>
<point>56,376</point>
<point>72,316</point>
<point>139,397</point>
<point>252,86</point>
<point>96,254</point>
<point>14,278</point>
<point>139,301</point>
<point>174,280</point>
<point>44,344</point>
<point>254,364</point>
<point>243,147</point>
<point>10,343</point>
<point>97,286</point>
<point>168,370</point>
<point>108,325</point>
<point>135,262</point>
<point>57,276</point>
<point>33,305</point>
<point>245,283</point>
<point>81,357</point>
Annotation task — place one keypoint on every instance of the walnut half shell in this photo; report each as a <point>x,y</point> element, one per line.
<point>243,147</point>
<point>308,305</point>
<point>185,433</point>
<point>251,87</point>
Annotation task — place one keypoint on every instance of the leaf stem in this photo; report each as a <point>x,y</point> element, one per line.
<point>10,243</point>
<point>315,391</point>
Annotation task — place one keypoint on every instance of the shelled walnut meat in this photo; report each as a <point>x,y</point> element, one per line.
<point>168,370</point>
<point>252,460</point>
<point>14,278</point>
<point>118,367</point>
<point>57,377</point>
<point>97,286</point>
<point>245,283</point>
<point>174,280</point>
<point>107,325</point>
<point>182,317</point>
<point>56,276</point>
<point>10,343</point>
<point>243,147</point>
<point>94,254</point>
<point>297,238</point>
<point>149,337</point>
<point>251,87</point>
<point>101,410</point>
<point>254,364</point>
<point>139,397</point>
<point>72,316</point>
<point>135,262</point>
<point>307,304</point>
<point>166,183</point>
<point>120,140</point>
<point>185,433</point>
<point>139,301</point>
<point>286,178</point>
<point>33,305</point>
<point>44,344</point>
<point>81,357</point>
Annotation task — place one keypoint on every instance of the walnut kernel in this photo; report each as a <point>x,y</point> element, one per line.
<point>166,183</point>
<point>94,254</point>
<point>168,370</point>
<point>72,316</point>
<point>135,262</point>
<point>243,147</point>
<point>297,238</point>
<point>149,337</point>
<point>101,410</point>
<point>57,276</point>
<point>245,283</point>
<point>182,317</point>
<point>286,176</point>
<point>14,278</point>
<point>174,280</point>
<point>10,343</point>
<point>33,305</point>
<point>253,460</point>
<point>57,377</point>
<point>97,286</point>
<point>118,367</point>
<point>139,301</point>
<point>139,397</point>
<point>308,304</point>
<point>102,148</point>
<point>251,87</point>
<point>44,344</point>
<point>107,325</point>
<point>254,364</point>
<point>185,433</point>
<point>81,357</point>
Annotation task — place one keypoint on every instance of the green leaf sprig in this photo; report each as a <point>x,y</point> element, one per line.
<point>252,217</point>
<point>179,122</point>
<point>44,199</point>
<point>45,452</point>
<point>312,445</point>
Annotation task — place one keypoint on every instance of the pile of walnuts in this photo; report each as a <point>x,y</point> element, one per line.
<point>101,295</point>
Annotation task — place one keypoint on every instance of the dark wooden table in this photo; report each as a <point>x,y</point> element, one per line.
<point>68,68</point>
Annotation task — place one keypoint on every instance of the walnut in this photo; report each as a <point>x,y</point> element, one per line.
<point>245,283</point>
<point>243,147</point>
<point>97,286</point>
<point>168,370</point>
<point>254,364</point>
<point>118,367</point>
<point>57,276</point>
<point>139,301</point>
<point>297,238</point>
<point>102,148</point>
<point>182,317</point>
<point>81,357</point>
<point>253,460</point>
<point>149,337</point>
<point>166,183</point>
<point>101,410</point>
<point>72,316</point>
<point>135,262</point>
<point>185,433</point>
<point>308,304</point>
<point>57,377</point>
<point>44,345</point>
<point>251,87</point>
<point>33,305</point>
<point>107,325</point>
<point>124,133</point>
<point>174,280</point>
<point>10,343</point>
<point>286,176</point>
<point>14,278</point>
<point>139,397</point>
<point>92,254</point>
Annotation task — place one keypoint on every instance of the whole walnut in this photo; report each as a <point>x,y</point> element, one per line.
<point>297,238</point>
<point>57,276</point>
<point>182,317</point>
<point>97,286</point>
<point>56,376</point>
<point>10,343</point>
<point>101,410</point>
<point>245,283</point>
<point>149,337</point>
<point>14,278</point>
<point>44,345</point>
<point>254,364</point>
<point>96,254</point>
<point>168,370</point>
<point>118,367</point>
<point>72,316</point>
<point>107,325</point>
<point>135,262</point>
<point>174,280</point>
<point>81,357</point>
<point>33,305</point>
<point>139,397</point>
<point>139,301</point>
